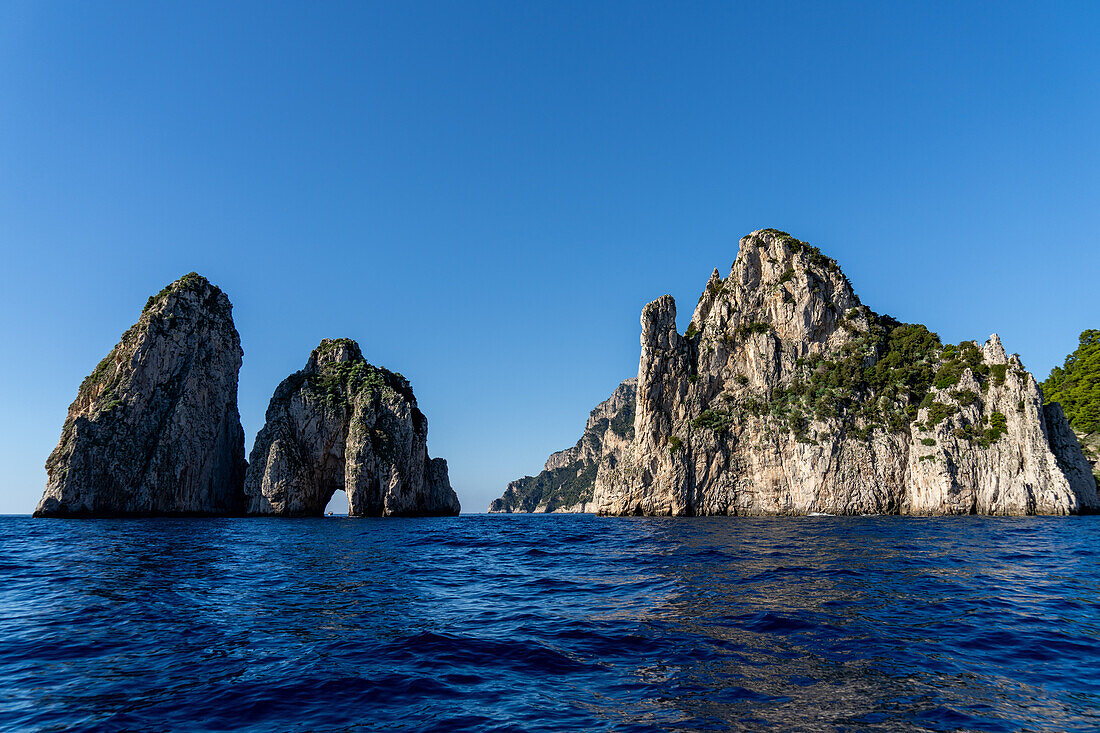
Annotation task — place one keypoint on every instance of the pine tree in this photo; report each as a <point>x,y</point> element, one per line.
<point>1076,385</point>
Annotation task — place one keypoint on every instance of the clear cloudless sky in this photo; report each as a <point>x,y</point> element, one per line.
<point>485,194</point>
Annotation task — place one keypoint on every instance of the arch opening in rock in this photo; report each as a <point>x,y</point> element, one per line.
<point>338,505</point>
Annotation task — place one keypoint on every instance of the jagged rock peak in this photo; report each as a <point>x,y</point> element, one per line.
<point>333,351</point>
<point>212,296</point>
<point>566,483</point>
<point>786,395</point>
<point>154,429</point>
<point>344,424</point>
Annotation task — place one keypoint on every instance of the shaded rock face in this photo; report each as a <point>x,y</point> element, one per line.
<point>566,483</point>
<point>786,395</point>
<point>342,423</point>
<point>1090,446</point>
<point>155,430</point>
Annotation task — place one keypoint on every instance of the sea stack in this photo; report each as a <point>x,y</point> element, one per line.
<point>787,395</point>
<point>154,429</point>
<point>566,482</point>
<point>342,423</point>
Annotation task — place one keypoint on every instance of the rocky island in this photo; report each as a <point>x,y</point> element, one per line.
<point>787,395</point>
<point>344,424</point>
<point>155,429</point>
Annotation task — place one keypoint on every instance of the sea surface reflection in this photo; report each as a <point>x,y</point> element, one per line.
<point>550,623</point>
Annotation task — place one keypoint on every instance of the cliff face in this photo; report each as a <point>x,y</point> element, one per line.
<point>566,482</point>
<point>155,428</point>
<point>786,395</point>
<point>342,423</point>
<point>1090,446</point>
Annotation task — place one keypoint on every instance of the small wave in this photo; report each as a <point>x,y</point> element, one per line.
<point>559,623</point>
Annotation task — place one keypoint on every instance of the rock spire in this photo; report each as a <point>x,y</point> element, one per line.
<point>154,429</point>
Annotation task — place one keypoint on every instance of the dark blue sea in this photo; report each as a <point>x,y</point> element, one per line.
<point>550,623</point>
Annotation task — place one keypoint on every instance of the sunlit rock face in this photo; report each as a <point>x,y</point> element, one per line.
<point>567,481</point>
<point>342,423</point>
<point>786,395</point>
<point>154,429</point>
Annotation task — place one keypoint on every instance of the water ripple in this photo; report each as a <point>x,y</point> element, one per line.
<point>518,623</point>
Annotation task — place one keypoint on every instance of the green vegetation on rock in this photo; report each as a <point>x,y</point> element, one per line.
<point>100,373</point>
<point>623,423</point>
<point>817,259</point>
<point>956,359</point>
<point>572,480</point>
<point>561,487</point>
<point>965,397</point>
<point>336,382</point>
<point>1076,384</point>
<point>718,421</point>
<point>750,328</point>
<point>998,426</point>
<point>191,280</point>
<point>883,394</point>
<point>878,380</point>
<point>938,412</point>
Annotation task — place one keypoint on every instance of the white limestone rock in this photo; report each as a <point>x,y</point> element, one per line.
<point>787,396</point>
<point>155,430</point>
<point>342,423</point>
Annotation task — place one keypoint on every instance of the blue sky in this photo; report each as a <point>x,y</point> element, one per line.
<point>485,195</point>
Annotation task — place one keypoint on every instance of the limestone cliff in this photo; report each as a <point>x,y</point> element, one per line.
<point>786,395</point>
<point>154,430</point>
<point>567,480</point>
<point>1090,446</point>
<point>342,423</point>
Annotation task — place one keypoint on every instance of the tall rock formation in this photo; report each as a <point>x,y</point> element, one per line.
<point>342,423</point>
<point>786,395</point>
<point>154,430</point>
<point>566,482</point>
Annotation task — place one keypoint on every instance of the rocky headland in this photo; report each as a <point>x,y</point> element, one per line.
<point>566,483</point>
<point>344,424</point>
<point>787,395</point>
<point>154,429</point>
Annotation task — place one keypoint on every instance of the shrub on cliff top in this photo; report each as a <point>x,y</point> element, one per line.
<point>1076,384</point>
<point>190,280</point>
